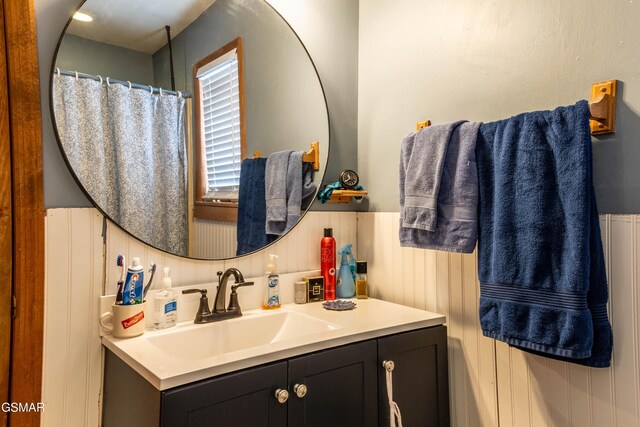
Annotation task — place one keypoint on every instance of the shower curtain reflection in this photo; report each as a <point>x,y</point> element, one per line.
<point>127,147</point>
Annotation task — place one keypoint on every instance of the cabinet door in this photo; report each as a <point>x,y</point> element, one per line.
<point>245,398</point>
<point>420,378</point>
<point>341,387</point>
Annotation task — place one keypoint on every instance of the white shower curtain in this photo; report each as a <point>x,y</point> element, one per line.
<point>127,148</point>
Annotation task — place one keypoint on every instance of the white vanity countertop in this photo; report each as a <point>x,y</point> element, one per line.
<point>186,359</point>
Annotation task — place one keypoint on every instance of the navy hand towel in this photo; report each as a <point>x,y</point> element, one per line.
<point>252,208</point>
<point>540,261</point>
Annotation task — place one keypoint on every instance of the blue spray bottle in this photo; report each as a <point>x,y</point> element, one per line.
<point>346,285</point>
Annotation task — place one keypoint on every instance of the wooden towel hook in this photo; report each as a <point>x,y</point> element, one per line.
<point>424,124</point>
<point>602,106</point>
<point>313,155</point>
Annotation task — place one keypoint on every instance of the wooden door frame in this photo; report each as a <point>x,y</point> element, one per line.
<point>25,126</point>
<point>6,240</point>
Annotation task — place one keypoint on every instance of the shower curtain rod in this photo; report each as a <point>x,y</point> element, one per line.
<point>122,82</point>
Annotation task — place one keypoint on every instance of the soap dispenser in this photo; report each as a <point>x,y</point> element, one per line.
<point>166,306</point>
<point>272,295</point>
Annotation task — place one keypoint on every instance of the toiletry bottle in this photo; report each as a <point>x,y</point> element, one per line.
<point>328,264</point>
<point>133,284</point>
<point>272,295</point>
<point>166,306</point>
<point>346,288</point>
<point>361,280</point>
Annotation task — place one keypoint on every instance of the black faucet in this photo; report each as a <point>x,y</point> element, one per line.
<point>204,315</point>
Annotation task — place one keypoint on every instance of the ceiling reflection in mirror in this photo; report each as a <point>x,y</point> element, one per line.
<point>202,147</point>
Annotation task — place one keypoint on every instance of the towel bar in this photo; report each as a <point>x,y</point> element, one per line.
<point>312,156</point>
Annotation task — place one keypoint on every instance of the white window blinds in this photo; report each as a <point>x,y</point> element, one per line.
<point>220,106</point>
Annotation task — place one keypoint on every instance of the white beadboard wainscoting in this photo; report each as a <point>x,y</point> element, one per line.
<point>213,239</point>
<point>492,384</point>
<point>81,266</point>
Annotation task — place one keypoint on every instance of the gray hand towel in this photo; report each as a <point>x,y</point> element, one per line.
<point>294,189</point>
<point>423,175</point>
<point>275,186</point>
<point>288,180</point>
<point>456,225</point>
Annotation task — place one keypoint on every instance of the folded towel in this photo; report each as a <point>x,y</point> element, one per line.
<point>423,172</point>
<point>540,262</point>
<point>294,189</point>
<point>288,181</point>
<point>456,223</point>
<point>276,191</point>
<point>252,209</point>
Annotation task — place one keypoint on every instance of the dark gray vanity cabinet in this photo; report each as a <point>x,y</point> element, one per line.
<point>340,387</point>
<point>239,399</point>
<point>343,386</point>
<point>420,377</point>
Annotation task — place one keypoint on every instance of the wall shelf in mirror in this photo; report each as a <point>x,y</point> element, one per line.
<point>345,196</point>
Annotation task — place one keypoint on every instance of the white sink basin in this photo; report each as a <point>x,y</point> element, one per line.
<point>251,330</point>
<point>187,352</point>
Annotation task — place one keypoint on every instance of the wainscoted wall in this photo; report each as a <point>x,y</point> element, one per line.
<point>77,274</point>
<point>213,239</point>
<point>491,383</point>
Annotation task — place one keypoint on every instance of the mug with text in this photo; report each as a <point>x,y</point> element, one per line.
<point>124,321</point>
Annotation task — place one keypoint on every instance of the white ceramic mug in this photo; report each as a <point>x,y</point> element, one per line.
<point>124,321</point>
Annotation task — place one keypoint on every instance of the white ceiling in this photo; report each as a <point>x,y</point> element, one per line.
<point>137,24</point>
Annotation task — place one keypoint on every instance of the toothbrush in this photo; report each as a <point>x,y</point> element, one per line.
<point>120,263</point>
<point>146,288</point>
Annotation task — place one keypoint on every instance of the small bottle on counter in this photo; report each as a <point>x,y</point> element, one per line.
<point>300,292</point>
<point>361,280</point>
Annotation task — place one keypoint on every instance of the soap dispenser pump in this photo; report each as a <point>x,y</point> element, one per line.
<point>272,295</point>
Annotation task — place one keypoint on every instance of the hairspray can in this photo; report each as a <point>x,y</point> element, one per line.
<point>328,263</point>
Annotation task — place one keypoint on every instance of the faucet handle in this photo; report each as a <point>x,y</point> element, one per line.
<point>195,291</point>
<point>203,310</point>
<point>237,285</point>
<point>233,299</point>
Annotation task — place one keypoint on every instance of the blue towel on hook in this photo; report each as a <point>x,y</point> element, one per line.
<point>541,266</point>
<point>252,208</point>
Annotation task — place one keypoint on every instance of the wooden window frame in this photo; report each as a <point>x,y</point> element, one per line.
<point>215,211</point>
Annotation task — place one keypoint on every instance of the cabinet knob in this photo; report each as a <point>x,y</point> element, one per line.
<point>282,395</point>
<point>388,365</point>
<point>300,390</point>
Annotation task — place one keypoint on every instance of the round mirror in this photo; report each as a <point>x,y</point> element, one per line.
<point>200,127</point>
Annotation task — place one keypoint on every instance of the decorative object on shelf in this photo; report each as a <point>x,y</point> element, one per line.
<point>349,179</point>
<point>339,305</point>
<point>334,193</point>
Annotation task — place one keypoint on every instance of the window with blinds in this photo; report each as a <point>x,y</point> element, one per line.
<point>220,125</point>
<point>220,103</point>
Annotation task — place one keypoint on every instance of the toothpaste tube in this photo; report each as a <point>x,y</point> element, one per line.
<point>133,284</point>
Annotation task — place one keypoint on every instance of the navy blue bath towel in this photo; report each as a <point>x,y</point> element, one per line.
<point>252,208</point>
<point>541,266</point>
